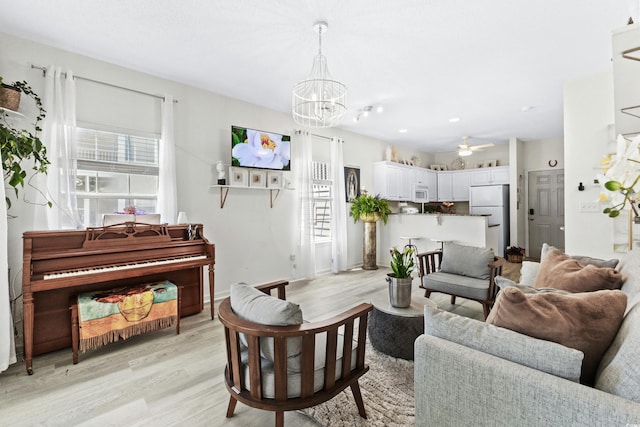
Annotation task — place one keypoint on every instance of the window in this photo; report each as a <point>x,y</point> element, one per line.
<point>115,170</point>
<point>322,193</point>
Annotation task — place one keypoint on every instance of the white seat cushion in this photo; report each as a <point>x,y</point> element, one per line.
<point>294,379</point>
<point>464,286</point>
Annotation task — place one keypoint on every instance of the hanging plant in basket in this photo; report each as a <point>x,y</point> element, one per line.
<point>9,97</point>
<point>18,145</point>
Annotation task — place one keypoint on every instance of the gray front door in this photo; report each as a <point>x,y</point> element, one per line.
<point>546,210</point>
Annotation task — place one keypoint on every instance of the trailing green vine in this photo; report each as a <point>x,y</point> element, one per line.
<point>18,145</point>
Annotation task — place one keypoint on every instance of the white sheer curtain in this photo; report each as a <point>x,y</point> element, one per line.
<point>7,345</point>
<point>339,217</point>
<point>304,184</point>
<point>167,193</point>
<point>59,136</point>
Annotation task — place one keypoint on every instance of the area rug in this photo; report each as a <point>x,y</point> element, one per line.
<point>387,392</point>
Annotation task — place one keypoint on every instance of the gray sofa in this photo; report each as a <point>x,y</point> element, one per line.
<point>469,373</point>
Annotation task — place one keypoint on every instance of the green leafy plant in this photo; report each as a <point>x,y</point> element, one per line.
<point>366,207</point>
<point>18,145</point>
<point>402,263</point>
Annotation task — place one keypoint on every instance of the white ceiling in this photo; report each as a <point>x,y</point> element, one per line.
<point>424,61</point>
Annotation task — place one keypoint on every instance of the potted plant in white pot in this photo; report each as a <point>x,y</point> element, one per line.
<point>18,145</point>
<point>402,264</point>
<point>369,209</point>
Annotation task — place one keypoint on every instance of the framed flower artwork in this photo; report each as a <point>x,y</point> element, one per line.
<point>239,177</point>
<point>274,179</point>
<point>258,178</point>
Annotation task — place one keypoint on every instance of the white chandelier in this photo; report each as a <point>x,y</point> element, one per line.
<point>319,101</point>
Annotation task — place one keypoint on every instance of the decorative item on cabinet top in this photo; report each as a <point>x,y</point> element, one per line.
<point>458,164</point>
<point>439,167</point>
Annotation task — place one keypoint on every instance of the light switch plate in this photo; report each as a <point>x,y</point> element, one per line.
<point>589,207</point>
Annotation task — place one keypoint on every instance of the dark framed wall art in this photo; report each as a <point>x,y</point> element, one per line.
<point>351,183</point>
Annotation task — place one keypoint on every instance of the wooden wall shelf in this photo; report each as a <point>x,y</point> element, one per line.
<point>224,192</point>
<point>633,54</point>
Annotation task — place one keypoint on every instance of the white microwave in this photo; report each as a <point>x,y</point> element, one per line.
<point>420,193</point>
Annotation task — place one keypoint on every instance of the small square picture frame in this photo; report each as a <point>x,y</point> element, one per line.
<point>274,179</point>
<point>258,178</point>
<point>490,163</point>
<point>238,177</point>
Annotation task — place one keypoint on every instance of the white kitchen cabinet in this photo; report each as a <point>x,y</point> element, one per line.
<point>430,179</point>
<point>445,186</point>
<point>489,176</point>
<point>407,180</point>
<point>453,186</point>
<point>460,185</point>
<point>386,180</point>
<point>393,181</point>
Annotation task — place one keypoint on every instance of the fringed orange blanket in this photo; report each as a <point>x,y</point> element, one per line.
<point>107,316</point>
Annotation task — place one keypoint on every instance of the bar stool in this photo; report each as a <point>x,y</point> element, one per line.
<point>411,245</point>
<point>442,242</point>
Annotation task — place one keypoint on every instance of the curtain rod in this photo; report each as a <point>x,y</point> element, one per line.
<point>44,73</point>
<point>317,136</point>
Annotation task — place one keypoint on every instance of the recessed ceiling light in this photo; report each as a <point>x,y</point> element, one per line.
<point>454,119</point>
<point>380,109</point>
<point>402,131</point>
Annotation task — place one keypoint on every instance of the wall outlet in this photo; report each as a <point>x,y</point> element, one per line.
<point>589,207</point>
<point>292,257</point>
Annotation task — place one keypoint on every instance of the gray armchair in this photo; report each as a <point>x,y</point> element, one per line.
<point>461,271</point>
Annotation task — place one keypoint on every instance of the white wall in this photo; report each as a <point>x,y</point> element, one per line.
<point>253,242</point>
<point>517,194</point>
<point>537,155</point>
<point>588,111</point>
<point>498,152</point>
<point>541,154</point>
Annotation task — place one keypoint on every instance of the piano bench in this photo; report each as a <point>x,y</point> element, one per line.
<point>103,317</point>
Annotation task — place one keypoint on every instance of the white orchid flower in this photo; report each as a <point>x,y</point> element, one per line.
<point>621,177</point>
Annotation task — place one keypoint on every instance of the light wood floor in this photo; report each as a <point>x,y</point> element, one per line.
<point>163,379</point>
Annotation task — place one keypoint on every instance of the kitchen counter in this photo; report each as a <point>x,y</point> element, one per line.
<point>436,214</point>
<point>428,231</point>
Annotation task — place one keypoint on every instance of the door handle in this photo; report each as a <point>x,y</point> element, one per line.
<point>562,228</point>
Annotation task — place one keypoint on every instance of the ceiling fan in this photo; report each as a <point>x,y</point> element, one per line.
<point>465,149</point>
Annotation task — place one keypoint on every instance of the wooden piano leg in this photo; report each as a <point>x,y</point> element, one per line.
<point>211,289</point>
<point>27,309</point>
<point>179,304</point>
<point>74,329</point>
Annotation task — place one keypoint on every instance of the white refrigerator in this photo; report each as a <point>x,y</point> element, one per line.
<point>492,200</point>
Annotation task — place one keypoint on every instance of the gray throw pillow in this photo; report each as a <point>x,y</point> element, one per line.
<point>251,304</point>
<point>546,356</point>
<point>584,260</point>
<point>503,282</point>
<point>468,261</point>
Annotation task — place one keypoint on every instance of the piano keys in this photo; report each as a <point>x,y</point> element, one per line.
<point>60,264</point>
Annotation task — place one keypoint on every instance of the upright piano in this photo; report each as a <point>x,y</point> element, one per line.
<point>60,264</point>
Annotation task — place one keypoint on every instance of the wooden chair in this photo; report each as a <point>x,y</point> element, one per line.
<point>433,280</point>
<point>328,353</point>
